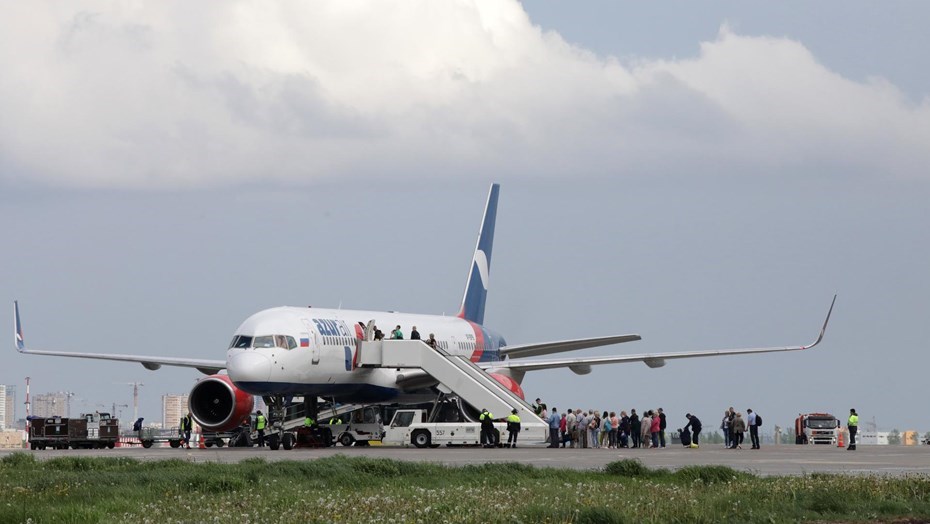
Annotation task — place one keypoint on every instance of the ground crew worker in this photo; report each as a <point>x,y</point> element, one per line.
<point>335,420</point>
<point>309,422</point>
<point>513,428</point>
<point>853,425</point>
<point>260,423</point>
<point>487,429</point>
<point>187,425</point>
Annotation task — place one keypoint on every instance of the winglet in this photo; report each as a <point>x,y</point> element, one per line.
<point>18,328</point>
<point>824,328</point>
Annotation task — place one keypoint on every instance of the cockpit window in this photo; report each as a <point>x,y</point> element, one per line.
<point>241,341</point>
<point>264,341</point>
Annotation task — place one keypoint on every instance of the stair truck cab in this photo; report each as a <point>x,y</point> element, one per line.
<point>410,427</point>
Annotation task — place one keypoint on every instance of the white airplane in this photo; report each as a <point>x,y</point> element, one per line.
<point>283,352</point>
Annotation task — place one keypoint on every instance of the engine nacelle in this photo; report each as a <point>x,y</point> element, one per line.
<point>508,383</point>
<point>218,405</point>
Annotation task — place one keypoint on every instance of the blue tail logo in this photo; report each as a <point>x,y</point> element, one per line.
<point>476,288</point>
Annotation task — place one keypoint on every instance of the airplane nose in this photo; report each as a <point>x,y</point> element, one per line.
<point>248,367</point>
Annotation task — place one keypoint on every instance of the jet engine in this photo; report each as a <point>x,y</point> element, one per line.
<point>508,383</point>
<point>218,405</point>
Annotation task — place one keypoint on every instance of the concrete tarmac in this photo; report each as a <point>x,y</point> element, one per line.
<point>770,460</point>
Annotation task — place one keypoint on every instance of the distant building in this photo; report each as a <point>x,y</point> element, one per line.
<point>50,405</point>
<point>9,407</point>
<point>875,438</point>
<point>11,439</point>
<point>173,407</point>
<point>3,408</point>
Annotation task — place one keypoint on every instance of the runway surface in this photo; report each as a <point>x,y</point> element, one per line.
<point>771,460</point>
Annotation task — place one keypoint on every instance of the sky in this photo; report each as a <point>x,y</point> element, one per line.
<point>707,176</point>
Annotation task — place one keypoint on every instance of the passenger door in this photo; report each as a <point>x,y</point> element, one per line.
<point>315,341</point>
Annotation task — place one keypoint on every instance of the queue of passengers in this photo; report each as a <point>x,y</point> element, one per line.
<point>608,430</point>
<point>398,334</point>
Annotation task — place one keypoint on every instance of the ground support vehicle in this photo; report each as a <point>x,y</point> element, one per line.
<point>148,437</point>
<point>357,433</point>
<point>89,431</point>
<point>411,427</point>
<point>315,436</point>
<point>816,428</point>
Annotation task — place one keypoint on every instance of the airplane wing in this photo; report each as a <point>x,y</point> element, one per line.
<point>207,367</point>
<point>546,348</point>
<point>582,366</point>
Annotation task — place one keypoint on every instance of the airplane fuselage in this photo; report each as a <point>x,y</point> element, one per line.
<point>311,351</point>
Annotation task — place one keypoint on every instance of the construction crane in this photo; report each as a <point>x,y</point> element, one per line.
<point>118,414</point>
<point>135,397</point>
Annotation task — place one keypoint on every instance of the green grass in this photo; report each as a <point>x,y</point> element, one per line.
<point>340,489</point>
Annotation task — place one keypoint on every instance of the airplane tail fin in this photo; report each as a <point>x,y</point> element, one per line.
<point>476,287</point>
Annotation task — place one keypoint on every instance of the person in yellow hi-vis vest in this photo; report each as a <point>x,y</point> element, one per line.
<point>260,423</point>
<point>513,428</point>
<point>853,425</point>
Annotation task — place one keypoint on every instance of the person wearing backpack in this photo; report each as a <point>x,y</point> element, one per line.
<point>754,421</point>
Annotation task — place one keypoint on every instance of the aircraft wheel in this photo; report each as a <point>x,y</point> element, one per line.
<point>421,438</point>
<point>32,446</point>
<point>346,440</point>
<point>289,441</point>
<point>274,442</point>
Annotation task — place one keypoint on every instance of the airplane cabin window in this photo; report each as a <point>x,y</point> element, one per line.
<point>264,341</point>
<point>243,341</point>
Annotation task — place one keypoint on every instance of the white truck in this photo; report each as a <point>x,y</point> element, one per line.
<point>358,433</point>
<point>816,428</point>
<point>410,427</point>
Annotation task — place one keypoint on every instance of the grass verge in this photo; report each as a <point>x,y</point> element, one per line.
<point>341,489</point>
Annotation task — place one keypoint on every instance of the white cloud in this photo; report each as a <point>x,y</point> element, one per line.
<point>173,94</point>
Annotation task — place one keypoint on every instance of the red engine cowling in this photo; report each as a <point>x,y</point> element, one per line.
<point>508,383</point>
<point>218,405</point>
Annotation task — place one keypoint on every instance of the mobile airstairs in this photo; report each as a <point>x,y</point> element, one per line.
<point>455,373</point>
